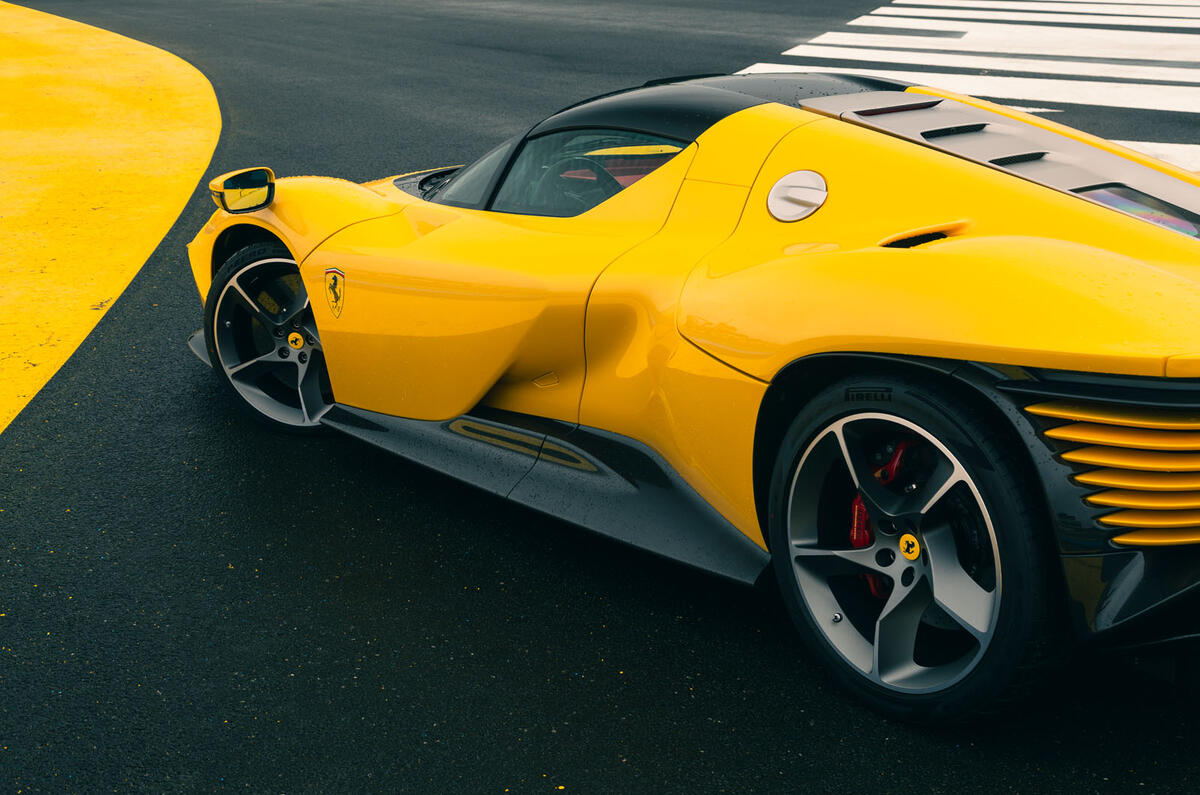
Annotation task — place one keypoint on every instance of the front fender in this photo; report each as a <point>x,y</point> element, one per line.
<point>1002,299</point>
<point>304,212</point>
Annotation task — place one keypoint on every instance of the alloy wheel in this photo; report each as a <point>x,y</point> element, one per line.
<point>267,344</point>
<point>894,552</point>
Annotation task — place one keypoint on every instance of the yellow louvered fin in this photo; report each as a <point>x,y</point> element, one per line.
<point>1162,419</point>
<point>1148,500</point>
<point>1143,481</point>
<point>1151,520</point>
<point>1140,438</point>
<point>1149,463</point>
<point>1134,459</point>
<point>1159,538</point>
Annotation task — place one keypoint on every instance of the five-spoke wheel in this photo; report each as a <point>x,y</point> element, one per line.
<point>905,546</point>
<point>262,338</point>
<point>911,601</point>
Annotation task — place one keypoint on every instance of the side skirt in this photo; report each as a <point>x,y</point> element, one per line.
<point>602,481</point>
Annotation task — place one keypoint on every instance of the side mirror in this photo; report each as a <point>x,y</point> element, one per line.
<point>243,191</point>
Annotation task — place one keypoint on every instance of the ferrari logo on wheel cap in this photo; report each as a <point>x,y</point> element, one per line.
<point>295,340</point>
<point>910,547</point>
<point>335,290</point>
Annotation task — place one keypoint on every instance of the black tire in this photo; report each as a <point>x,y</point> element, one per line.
<point>996,666</point>
<point>260,332</point>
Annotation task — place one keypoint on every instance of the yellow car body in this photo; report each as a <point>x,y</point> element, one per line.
<point>678,311</point>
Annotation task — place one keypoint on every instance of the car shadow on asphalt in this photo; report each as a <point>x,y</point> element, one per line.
<point>508,581</point>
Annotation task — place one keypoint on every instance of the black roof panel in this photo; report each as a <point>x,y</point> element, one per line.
<point>792,88</point>
<point>679,110</point>
<point>687,107</point>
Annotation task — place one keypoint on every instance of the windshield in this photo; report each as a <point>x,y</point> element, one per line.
<point>469,187</point>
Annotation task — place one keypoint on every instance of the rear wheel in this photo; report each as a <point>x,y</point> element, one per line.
<point>262,339</point>
<point>906,544</point>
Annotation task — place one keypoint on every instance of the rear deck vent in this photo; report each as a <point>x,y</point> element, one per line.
<point>916,240</point>
<point>958,129</point>
<point>1012,160</point>
<point>900,108</point>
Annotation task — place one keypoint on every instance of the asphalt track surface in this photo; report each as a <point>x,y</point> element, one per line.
<point>194,602</point>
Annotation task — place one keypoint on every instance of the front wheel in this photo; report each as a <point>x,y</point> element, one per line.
<point>262,339</point>
<point>906,541</point>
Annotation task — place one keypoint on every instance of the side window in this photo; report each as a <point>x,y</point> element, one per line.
<point>470,185</point>
<point>567,173</point>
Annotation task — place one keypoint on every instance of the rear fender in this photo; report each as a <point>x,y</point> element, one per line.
<point>1001,299</point>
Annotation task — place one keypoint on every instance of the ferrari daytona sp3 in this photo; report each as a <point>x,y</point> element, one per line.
<point>930,363</point>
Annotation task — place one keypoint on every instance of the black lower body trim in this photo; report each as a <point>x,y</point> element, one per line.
<point>607,483</point>
<point>1174,624</point>
<point>196,345</point>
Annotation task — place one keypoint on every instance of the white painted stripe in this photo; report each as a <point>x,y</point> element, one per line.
<point>1061,46</point>
<point>1027,109</point>
<point>1185,3</point>
<point>1036,39</point>
<point>1183,155</point>
<point>1074,8</point>
<point>1037,66</point>
<point>1143,96</point>
<point>1017,16</point>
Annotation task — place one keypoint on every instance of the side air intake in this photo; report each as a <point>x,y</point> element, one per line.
<point>911,238</point>
<point>913,241</point>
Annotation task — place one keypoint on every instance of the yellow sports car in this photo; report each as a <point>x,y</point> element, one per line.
<point>933,361</point>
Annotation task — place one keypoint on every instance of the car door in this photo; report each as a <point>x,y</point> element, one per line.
<point>478,295</point>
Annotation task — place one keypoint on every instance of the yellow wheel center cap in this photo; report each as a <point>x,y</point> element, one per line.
<point>910,547</point>
<point>296,340</point>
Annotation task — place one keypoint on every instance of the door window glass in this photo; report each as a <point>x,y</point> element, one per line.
<point>570,172</point>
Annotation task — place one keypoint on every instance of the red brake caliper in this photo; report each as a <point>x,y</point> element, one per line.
<point>861,534</point>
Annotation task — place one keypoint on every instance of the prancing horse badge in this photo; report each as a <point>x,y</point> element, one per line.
<point>335,290</point>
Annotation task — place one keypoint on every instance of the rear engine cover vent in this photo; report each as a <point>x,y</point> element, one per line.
<point>958,129</point>
<point>899,108</point>
<point>1012,160</point>
<point>1021,148</point>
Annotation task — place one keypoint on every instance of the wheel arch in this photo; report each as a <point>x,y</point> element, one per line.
<point>802,379</point>
<point>237,237</point>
